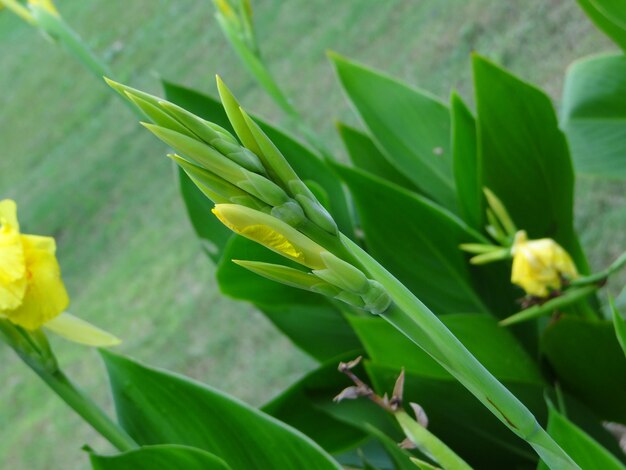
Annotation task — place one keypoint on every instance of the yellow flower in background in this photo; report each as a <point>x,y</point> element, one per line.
<point>539,265</point>
<point>32,293</point>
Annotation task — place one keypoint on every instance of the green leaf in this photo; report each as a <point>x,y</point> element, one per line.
<point>158,407</point>
<point>431,444</point>
<point>365,155</point>
<point>524,156</point>
<point>297,406</point>
<point>416,240</point>
<point>594,115</point>
<point>209,229</point>
<point>308,319</point>
<point>307,164</point>
<point>401,457</point>
<point>615,10</point>
<point>620,326</point>
<point>606,23</point>
<point>467,175</point>
<point>589,363</point>
<point>585,451</point>
<point>495,347</point>
<point>411,126</point>
<point>159,457</point>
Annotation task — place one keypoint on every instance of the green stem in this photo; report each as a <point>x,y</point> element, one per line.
<point>85,407</point>
<point>601,276</point>
<point>570,297</point>
<point>60,31</point>
<point>413,319</point>
<point>37,355</point>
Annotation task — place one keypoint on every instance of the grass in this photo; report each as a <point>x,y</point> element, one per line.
<point>83,171</point>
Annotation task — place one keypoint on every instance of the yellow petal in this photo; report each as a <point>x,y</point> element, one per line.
<point>45,295</point>
<point>273,240</point>
<point>12,263</point>
<point>77,330</point>
<point>8,214</point>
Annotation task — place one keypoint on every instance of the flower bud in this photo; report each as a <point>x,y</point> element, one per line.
<point>272,233</point>
<point>539,265</point>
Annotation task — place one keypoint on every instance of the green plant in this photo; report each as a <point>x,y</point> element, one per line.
<point>417,184</point>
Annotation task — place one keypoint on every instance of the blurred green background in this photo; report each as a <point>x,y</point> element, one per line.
<point>83,171</point>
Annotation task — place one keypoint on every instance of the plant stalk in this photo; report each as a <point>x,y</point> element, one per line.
<point>413,319</point>
<point>86,408</point>
<point>37,355</point>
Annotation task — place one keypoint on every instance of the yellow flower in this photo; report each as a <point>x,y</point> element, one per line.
<point>540,265</point>
<point>32,293</point>
<point>272,233</point>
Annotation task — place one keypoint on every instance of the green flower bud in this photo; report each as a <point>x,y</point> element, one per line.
<point>290,212</point>
<point>289,276</point>
<point>342,274</point>
<point>271,233</point>
<point>376,299</point>
<point>221,140</point>
<point>318,214</point>
<point>265,189</point>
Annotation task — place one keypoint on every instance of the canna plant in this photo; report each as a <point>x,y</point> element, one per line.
<point>370,259</point>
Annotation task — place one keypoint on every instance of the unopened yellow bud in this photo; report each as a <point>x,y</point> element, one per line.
<point>272,233</point>
<point>539,265</point>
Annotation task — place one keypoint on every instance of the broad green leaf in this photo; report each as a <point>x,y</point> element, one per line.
<point>375,453</point>
<point>159,457</point>
<point>615,10</point>
<point>400,457</point>
<point>308,319</point>
<point>211,231</point>
<point>365,155</point>
<point>607,24</point>
<point>158,407</point>
<point>297,406</point>
<point>585,451</point>
<point>495,347</point>
<point>431,444</point>
<point>416,240</point>
<point>589,363</point>
<point>467,175</point>
<point>308,165</point>
<point>524,156</point>
<point>410,126</point>
<point>460,421</point>
<point>593,115</point>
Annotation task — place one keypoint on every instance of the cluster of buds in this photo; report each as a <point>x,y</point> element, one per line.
<point>258,195</point>
<point>540,266</point>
